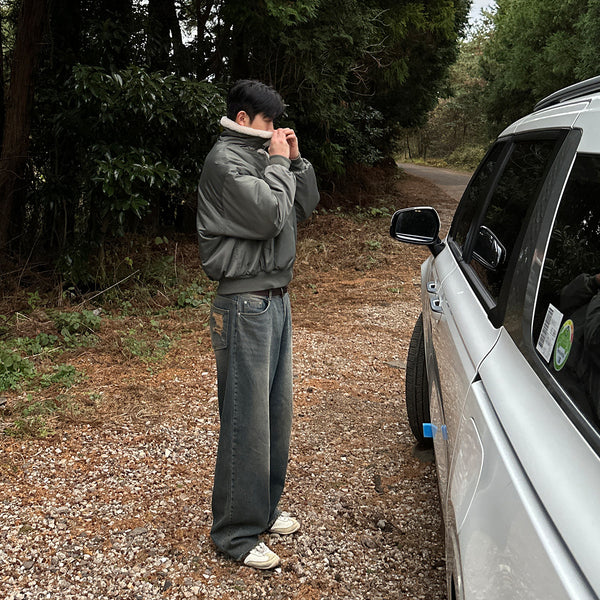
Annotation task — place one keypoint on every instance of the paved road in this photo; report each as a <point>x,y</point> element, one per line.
<point>452,182</point>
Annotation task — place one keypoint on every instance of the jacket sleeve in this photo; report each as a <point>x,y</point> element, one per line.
<point>307,192</point>
<point>577,293</point>
<point>255,208</point>
<point>592,325</point>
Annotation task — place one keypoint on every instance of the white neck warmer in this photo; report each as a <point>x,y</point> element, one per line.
<point>229,124</point>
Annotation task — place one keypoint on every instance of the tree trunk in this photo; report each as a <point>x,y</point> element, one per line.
<point>164,33</point>
<point>203,11</point>
<point>182,64</point>
<point>17,123</point>
<point>1,80</point>
<point>159,42</point>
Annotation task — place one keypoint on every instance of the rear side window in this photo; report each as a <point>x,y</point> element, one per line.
<point>506,215</point>
<point>475,196</point>
<point>566,328</point>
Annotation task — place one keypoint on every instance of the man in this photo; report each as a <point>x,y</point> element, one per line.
<point>580,301</point>
<point>253,190</point>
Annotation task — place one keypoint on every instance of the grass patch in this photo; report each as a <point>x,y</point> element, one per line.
<point>34,417</point>
<point>148,344</point>
<point>63,375</point>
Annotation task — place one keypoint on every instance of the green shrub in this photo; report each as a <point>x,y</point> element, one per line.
<point>65,375</point>
<point>194,295</point>
<point>14,369</point>
<point>32,346</point>
<point>77,328</point>
<point>466,157</point>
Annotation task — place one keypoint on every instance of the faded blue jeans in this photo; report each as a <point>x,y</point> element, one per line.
<point>252,339</point>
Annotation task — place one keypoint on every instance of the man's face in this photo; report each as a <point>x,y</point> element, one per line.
<point>262,123</point>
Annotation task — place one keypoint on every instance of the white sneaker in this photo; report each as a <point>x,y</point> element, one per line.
<point>262,557</point>
<point>285,524</point>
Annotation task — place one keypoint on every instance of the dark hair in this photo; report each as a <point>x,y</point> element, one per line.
<point>254,97</point>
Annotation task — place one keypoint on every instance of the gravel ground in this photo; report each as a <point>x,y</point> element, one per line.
<point>119,507</point>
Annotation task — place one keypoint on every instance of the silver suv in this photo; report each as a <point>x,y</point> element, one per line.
<point>503,369</point>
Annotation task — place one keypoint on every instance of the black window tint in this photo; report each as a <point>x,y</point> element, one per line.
<point>566,326</point>
<point>506,215</point>
<point>474,197</point>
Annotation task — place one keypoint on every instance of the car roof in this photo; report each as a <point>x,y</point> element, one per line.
<point>563,109</point>
<point>583,88</point>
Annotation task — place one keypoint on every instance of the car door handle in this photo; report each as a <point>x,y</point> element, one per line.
<point>436,304</point>
<point>432,287</point>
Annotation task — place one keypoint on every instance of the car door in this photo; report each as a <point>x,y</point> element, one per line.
<point>526,472</point>
<point>467,284</point>
<point>448,302</point>
<point>532,525</point>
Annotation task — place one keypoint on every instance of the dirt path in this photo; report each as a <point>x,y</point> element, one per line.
<point>451,182</point>
<point>120,507</point>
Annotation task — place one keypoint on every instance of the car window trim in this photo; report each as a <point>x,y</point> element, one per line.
<point>496,309</point>
<point>458,250</point>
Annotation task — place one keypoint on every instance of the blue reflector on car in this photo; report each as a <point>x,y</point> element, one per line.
<point>429,430</point>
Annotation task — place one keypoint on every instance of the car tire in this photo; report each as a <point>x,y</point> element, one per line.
<point>417,385</point>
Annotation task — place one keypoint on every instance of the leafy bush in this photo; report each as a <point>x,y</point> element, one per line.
<point>467,157</point>
<point>120,137</point>
<point>14,369</point>
<point>193,296</point>
<point>32,346</point>
<point>77,328</point>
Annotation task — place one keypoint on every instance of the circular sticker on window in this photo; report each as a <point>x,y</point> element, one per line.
<point>564,341</point>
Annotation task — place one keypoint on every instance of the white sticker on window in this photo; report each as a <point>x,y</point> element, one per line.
<point>549,332</point>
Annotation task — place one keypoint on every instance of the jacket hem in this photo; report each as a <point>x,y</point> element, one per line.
<point>254,284</point>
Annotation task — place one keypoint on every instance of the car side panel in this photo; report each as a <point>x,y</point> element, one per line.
<point>508,547</point>
<point>589,122</point>
<point>562,467</point>
<point>458,337</point>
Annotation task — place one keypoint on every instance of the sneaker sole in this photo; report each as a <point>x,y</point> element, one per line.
<point>285,530</point>
<point>270,564</point>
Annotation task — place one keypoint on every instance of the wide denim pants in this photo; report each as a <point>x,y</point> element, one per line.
<point>252,339</point>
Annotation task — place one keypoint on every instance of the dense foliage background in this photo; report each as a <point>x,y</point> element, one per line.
<point>520,52</point>
<point>109,106</point>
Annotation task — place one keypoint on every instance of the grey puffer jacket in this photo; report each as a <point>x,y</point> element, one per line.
<point>249,204</point>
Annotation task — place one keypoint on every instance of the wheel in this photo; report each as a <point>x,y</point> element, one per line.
<point>417,385</point>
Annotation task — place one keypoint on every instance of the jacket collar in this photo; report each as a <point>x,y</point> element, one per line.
<point>249,131</point>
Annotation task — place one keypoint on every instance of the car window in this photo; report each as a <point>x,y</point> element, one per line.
<point>474,197</point>
<point>566,327</point>
<point>505,216</point>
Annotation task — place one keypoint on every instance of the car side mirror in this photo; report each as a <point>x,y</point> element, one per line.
<point>420,226</point>
<point>488,249</point>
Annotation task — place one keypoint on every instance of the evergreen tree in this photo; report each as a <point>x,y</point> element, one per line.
<point>538,46</point>
<point>128,95</point>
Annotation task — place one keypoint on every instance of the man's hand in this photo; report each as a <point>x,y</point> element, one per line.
<point>292,140</point>
<point>279,145</point>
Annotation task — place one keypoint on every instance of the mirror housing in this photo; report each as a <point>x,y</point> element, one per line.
<point>420,226</point>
